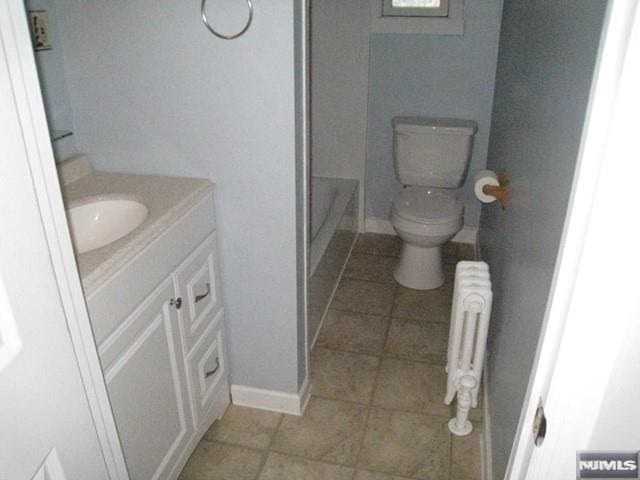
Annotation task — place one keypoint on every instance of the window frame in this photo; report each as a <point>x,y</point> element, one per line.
<point>453,24</point>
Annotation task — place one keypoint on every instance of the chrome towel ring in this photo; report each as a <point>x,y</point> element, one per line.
<point>220,35</point>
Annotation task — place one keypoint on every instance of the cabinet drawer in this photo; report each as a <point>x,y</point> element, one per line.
<point>207,366</point>
<point>197,283</point>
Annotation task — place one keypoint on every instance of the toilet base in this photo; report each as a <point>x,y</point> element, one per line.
<point>419,268</point>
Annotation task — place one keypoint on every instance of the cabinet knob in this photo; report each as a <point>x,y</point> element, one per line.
<point>176,302</point>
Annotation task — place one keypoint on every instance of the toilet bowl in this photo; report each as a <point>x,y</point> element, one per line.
<point>430,158</point>
<point>425,218</point>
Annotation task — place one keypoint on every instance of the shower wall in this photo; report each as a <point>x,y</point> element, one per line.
<point>339,87</point>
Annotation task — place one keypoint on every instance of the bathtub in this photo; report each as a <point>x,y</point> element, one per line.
<point>333,228</point>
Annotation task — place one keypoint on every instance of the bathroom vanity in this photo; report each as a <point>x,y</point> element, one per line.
<point>156,310</point>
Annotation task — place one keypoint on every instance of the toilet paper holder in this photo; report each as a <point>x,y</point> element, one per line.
<point>501,192</point>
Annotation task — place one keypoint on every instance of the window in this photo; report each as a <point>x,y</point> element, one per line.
<point>426,17</point>
<point>415,8</point>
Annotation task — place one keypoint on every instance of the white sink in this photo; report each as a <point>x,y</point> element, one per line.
<point>98,223</point>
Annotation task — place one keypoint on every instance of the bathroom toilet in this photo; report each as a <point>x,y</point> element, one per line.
<point>430,156</point>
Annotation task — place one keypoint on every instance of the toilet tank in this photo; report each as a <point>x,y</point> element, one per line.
<point>432,152</point>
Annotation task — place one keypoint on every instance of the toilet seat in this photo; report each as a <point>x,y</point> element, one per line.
<point>431,230</point>
<point>427,206</point>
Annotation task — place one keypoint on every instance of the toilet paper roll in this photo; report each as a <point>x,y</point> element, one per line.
<point>482,178</point>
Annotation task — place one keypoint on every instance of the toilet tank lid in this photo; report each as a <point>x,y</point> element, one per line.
<point>452,126</point>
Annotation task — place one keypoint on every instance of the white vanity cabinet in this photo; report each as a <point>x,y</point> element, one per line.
<point>165,363</point>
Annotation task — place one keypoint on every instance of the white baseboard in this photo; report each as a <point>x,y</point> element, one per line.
<point>272,400</point>
<point>487,470</point>
<point>468,234</point>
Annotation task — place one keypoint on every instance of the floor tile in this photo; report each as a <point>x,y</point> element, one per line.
<point>428,305</point>
<point>314,318</point>
<point>449,252</point>
<point>353,332</point>
<point>366,475</point>
<point>466,461</point>
<point>321,287</point>
<point>245,426</point>
<point>365,297</point>
<point>286,467</point>
<point>378,244</point>
<point>212,460</point>
<point>449,276</point>
<point>418,340</point>
<point>406,444</point>
<point>412,386</point>
<point>477,414</point>
<point>342,375</point>
<point>374,268</point>
<point>329,431</point>
<point>453,253</point>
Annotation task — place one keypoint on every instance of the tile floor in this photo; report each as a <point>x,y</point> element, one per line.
<point>378,377</point>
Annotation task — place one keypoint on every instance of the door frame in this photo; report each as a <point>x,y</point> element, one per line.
<point>20,61</point>
<point>565,368</point>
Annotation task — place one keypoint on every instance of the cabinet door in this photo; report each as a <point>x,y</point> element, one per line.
<point>144,369</point>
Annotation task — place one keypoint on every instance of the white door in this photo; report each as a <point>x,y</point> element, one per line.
<point>46,427</point>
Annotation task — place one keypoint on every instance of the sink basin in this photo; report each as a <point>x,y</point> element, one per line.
<point>98,223</point>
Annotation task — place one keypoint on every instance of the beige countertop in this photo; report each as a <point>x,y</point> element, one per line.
<point>167,198</point>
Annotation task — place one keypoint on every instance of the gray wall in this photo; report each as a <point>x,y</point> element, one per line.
<point>52,80</point>
<point>431,75</point>
<point>546,62</point>
<point>152,91</point>
<point>340,67</point>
